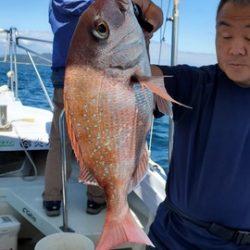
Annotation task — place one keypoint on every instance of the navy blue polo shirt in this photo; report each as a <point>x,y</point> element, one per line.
<point>209,175</point>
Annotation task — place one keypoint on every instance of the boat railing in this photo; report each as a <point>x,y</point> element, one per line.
<point>15,41</point>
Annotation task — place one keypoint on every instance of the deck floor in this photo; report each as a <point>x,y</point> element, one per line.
<point>26,198</point>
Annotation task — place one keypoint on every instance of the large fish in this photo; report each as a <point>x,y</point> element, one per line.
<point>108,112</point>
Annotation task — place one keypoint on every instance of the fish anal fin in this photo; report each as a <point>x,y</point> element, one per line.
<point>86,177</point>
<point>117,232</point>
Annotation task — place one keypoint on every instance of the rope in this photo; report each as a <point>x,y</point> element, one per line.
<point>8,125</point>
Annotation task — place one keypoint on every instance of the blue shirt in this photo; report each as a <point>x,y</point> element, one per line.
<point>63,18</point>
<point>209,175</point>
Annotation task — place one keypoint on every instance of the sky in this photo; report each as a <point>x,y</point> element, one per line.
<point>196,29</point>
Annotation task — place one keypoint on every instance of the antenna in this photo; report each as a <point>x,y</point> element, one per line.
<point>175,22</point>
<point>174,50</point>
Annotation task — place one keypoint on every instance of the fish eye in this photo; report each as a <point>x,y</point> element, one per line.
<point>101,29</point>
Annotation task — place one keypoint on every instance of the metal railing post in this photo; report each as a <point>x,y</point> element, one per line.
<point>65,226</point>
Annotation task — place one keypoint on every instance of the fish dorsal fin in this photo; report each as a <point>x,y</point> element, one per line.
<point>85,176</point>
<point>163,99</point>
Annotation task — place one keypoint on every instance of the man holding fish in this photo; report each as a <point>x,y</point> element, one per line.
<point>207,204</point>
<point>208,188</point>
<point>63,17</point>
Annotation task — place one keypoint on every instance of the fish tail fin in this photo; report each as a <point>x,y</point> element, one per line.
<point>116,233</point>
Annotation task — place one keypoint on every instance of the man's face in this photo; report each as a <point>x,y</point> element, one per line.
<point>233,42</point>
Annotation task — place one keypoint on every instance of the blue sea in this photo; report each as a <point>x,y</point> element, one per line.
<point>31,94</point>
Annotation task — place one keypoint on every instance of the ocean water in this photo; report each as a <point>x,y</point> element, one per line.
<point>30,93</point>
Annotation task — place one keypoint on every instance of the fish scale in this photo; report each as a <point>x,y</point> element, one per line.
<point>113,142</point>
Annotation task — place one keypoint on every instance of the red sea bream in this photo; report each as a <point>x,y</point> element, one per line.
<point>109,112</point>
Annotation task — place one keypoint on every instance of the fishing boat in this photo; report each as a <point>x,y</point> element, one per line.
<point>24,143</point>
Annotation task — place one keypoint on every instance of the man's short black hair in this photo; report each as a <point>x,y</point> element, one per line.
<point>222,2</point>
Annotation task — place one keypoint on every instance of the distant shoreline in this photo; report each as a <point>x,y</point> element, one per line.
<point>23,58</point>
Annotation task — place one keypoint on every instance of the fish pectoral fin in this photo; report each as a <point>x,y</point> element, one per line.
<point>140,171</point>
<point>163,100</point>
<point>165,107</point>
<point>117,232</point>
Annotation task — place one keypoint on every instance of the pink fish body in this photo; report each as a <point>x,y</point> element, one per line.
<point>108,115</point>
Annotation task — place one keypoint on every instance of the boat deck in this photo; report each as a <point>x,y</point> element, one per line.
<point>26,128</point>
<point>26,198</point>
